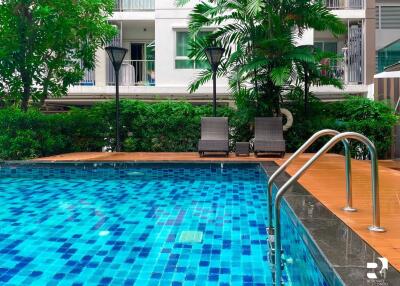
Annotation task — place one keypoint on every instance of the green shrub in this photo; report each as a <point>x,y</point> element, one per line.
<point>34,134</point>
<point>175,127</point>
<point>23,134</point>
<point>370,118</point>
<point>304,127</point>
<point>165,126</point>
<point>84,128</point>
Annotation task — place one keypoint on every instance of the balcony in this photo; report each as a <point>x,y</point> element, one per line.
<point>88,78</point>
<point>134,5</point>
<point>133,73</point>
<point>345,4</point>
<point>336,71</point>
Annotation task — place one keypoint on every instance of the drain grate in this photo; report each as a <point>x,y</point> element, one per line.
<point>135,174</point>
<point>191,237</point>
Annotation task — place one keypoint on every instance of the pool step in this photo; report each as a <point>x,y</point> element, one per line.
<point>271,256</point>
<point>271,247</point>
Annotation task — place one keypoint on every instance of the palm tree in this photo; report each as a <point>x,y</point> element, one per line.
<point>261,60</point>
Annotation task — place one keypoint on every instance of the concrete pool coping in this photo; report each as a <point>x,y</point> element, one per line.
<point>336,248</point>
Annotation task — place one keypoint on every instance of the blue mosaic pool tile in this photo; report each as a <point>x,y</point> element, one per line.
<point>121,225</point>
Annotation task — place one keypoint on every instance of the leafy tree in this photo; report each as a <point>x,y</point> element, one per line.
<point>45,46</point>
<point>262,60</point>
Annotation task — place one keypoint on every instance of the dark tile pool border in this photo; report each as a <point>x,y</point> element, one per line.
<point>340,253</point>
<point>122,165</point>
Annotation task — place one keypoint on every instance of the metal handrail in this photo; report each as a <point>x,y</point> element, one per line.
<point>304,147</point>
<point>374,184</point>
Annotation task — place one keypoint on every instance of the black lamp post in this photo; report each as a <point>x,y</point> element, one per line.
<point>117,55</point>
<point>214,56</point>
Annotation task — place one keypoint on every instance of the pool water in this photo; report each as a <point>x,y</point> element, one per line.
<point>141,225</point>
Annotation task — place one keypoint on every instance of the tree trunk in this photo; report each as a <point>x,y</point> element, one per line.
<point>25,97</point>
<point>45,89</point>
<point>25,22</point>
<point>277,105</point>
<point>26,93</point>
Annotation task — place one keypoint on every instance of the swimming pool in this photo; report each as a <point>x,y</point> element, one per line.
<point>142,224</point>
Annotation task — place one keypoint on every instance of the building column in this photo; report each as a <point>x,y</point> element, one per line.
<point>369,42</point>
<point>101,67</point>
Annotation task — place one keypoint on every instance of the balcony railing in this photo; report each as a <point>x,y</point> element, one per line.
<point>88,78</point>
<point>133,73</point>
<point>345,4</point>
<point>134,5</point>
<point>337,71</point>
<point>346,73</point>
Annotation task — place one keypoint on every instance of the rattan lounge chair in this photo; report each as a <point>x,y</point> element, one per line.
<point>269,136</point>
<point>214,135</point>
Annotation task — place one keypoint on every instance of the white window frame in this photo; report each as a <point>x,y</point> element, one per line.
<point>185,30</point>
<point>324,42</point>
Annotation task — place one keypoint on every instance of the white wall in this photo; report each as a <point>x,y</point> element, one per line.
<point>169,20</point>
<point>386,37</point>
<point>306,39</point>
<point>349,14</point>
<point>137,32</point>
<point>171,4</point>
<point>161,25</point>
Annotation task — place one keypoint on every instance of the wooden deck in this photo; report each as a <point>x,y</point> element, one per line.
<point>149,157</point>
<point>325,180</point>
<point>391,164</point>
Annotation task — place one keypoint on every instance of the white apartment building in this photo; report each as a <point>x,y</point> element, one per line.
<point>387,33</point>
<point>156,66</point>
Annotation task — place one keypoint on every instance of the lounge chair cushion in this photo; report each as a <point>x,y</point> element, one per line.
<point>214,128</point>
<point>214,135</point>
<point>269,135</point>
<point>213,146</point>
<point>268,128</point>
<point>269,146</point>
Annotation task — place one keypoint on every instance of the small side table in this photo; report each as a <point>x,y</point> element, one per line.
<point>242,148</point>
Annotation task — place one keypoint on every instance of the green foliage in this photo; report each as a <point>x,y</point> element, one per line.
<point>175,127</point>
<point>370,118</point>
<point>305,126</point>
<point>165,126</point>
<point>45,46</point>
<point>31,134</point>
<point>260,42</point>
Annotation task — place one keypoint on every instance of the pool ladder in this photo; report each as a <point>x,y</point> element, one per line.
<point>274,234</point>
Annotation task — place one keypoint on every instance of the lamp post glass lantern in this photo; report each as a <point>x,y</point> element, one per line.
<point>117,55</point>
<point>214,56</point>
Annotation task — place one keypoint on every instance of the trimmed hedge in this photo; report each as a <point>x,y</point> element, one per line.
<point>358,114</point>
<point>33,134</point>
<point>173,127</point>
<point>165,126</point>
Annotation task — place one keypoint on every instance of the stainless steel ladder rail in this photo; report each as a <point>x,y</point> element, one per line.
<point>375,227</point>
<point>301,150</point>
